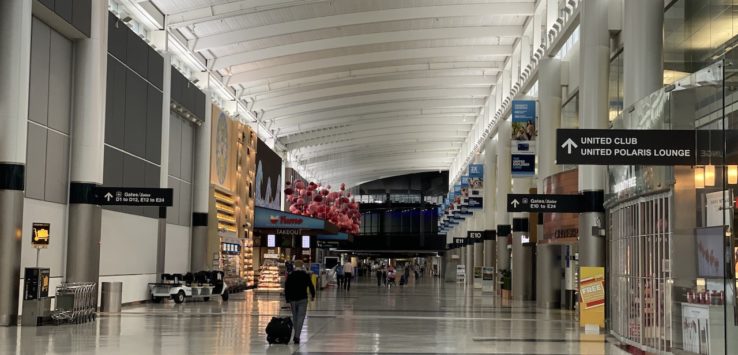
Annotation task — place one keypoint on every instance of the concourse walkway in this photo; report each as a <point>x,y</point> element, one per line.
<point>427,317</point>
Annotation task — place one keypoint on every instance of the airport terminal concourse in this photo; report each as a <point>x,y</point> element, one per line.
<point>368,177</point>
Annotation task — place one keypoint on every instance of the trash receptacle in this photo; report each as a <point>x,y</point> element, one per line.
<point>112,297</point>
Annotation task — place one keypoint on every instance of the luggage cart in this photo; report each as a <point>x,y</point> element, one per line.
<point>76,302</point>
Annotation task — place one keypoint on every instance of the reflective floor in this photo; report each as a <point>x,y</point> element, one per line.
<point>427,317</point>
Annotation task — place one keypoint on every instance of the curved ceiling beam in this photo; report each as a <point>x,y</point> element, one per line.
<point>273,101</point>
<point>233,8</point>
<point>455,115</point>
<point>416,121</point>
<point>381,107</point>
<point>366,72</point>
<point>352,101</point>
<point>489,52</point>
<point>440,138</point>
<point>250,56</point>
<point>406,13</point>
<point>317,152</point>
<point>420,149</point>
<point>380,161</point>
<point>410,131</point>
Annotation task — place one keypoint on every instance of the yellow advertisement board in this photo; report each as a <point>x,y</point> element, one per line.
<point>592,296</point>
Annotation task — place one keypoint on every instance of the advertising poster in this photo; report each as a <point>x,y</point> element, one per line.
<point>488,279</point>
<point>268,177</point>
<point>464,190</point>
<point>710,261</point>
<point>524,134</point>
<point>476,184</point>
<point>592,296</point>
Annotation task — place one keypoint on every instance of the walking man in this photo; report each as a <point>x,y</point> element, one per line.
<point>295,291</point>
<point>348,272</point>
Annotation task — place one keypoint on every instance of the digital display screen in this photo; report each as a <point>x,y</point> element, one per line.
<point>271,241</point>
<point>710,259</point>
<point>306,242</point>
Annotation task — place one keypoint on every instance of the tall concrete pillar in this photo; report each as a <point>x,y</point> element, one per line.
<point>504,180</point>
<point>643,62</point>
<point>478,246</point>
<point>164,171</point>
<point>15,46</point>
<point>490,184</point>
<point>593,107</point>
<point>522,255</point>
<point>549,275</point>
<point>199,242</point>
<point>548,269</point>
<point>88,147</point>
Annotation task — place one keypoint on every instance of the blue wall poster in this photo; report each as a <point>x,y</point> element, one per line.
<point>476,184</point>
<point>524,133</point>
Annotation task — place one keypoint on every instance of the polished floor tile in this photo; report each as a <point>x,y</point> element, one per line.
<point>425,317</point>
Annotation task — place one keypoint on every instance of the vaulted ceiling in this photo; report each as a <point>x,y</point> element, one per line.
<point>358,89</point>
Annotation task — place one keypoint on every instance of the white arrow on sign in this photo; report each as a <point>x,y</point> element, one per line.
<point>568,145</point>
<point>108,196</point>
<point>515,203</point>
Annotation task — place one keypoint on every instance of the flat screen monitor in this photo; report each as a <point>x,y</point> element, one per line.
<point>271,241</point>
<point>306,242</point>
<point>330,262</point>
<point>710,253</point>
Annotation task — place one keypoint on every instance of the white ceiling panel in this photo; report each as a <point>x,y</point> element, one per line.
<point>358,89</point>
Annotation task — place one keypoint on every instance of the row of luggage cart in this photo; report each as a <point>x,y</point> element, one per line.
<point>76,302</point>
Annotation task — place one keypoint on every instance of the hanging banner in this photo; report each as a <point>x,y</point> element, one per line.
<point>464,191</point>
<point>524,134</point>
<point>476,184</point>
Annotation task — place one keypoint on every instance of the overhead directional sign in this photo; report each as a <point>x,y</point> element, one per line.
<point>625,147</point>
<point>545,203</point>
<point>134,196</point>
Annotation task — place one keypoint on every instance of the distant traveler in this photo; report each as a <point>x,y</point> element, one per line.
<point>379,273</point>
<point>384,274</point>
<point>339,275</point>
<point>348,272</point>
<point>295,291</point>
<point>391,276</point>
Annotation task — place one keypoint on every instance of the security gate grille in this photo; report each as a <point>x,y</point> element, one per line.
<point>639,270</point>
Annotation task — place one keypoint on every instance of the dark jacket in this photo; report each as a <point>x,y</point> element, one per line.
<point>296,286</point>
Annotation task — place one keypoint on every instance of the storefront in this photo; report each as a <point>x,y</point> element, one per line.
<point>671,245</point>
<point>282,236</point>
<point>231,203</point>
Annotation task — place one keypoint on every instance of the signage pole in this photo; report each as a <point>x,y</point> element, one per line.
<point>504,136</point>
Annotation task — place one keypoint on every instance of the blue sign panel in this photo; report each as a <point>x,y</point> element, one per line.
<point>267,218</point>
<point>476,171</point>
<point>464,181</point>
<point>523,110</point>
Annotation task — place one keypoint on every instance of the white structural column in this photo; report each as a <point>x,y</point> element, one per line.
<point>490,184</point>
<point>199,241</point>
<point>15,46</point>
<point>88,147</point>
<point>522,254</point>
<point>548,268</point>
<point>479,244</point>
<point>504,180</point>
<point>593,114</point>
<point>164,171</point>
<point>643,63</point>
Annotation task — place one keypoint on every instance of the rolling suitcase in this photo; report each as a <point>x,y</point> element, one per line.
<point>279,330</point>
